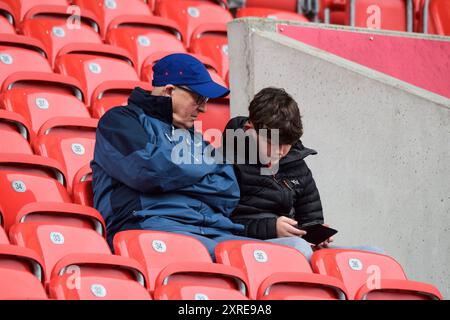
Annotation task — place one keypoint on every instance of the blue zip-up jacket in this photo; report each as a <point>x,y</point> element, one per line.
<point>137,185</point>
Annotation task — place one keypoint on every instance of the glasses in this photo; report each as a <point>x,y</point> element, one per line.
<point>199,100</point>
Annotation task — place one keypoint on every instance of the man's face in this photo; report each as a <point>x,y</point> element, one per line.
<point>186,106</point>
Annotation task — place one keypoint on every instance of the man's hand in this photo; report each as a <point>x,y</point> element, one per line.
<point>286,227</point>
<point>327,242</point>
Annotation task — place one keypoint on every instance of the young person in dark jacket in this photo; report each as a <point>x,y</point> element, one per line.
<point>272,206</point>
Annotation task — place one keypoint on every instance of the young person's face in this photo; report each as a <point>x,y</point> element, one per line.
<point>268,153</point>
<point>186,106</point>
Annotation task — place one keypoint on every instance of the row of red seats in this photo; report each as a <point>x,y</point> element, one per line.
<point>75,263</point>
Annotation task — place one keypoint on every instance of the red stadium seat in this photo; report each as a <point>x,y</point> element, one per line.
<point>169,263</point>
<point>39,97</point>
<point>359,271</point>
<point>49,25</point>
<point>193,292</point>
<point>15,133</point>
<point>107,10</point>
<point>54,242</point>
<point>286,5</point>
<point>82,187</point>
<point>210,40</point>
<point>378,14</point>
<point>216,117</point>
<point>6,26</point>
<point>93,64</point>
<point>7,12</point>
<point>3,237</point>
<point>68,140</point>
<point>113,94</point>
<point>28,178</point>
<point>270,14</point>
<point>190,14</point>
<point>19,53</point>
<point>268,273</point>
<point>438,17</point>
<point>20,7</point>
<point>104,277</point>
<point>21,274</point>
<point>20,286</point>
<point>66,214</point>
<point>143,35</point>
<point>332,11</point>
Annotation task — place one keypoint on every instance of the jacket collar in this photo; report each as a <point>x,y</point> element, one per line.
<point>158,107</point>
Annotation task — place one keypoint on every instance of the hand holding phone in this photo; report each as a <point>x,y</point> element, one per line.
<point>317,233</point>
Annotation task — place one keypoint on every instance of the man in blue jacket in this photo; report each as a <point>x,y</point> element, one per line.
<point>137,182</point>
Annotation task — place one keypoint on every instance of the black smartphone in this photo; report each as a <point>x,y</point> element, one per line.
<point>317,233</point>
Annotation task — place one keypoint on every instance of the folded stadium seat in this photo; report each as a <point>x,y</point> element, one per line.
<point>216,116</point>
<point>190,14</point>
<point>93,64</point>
<point>101,277</point>
<point>3,237</point>
<point>53,242</point>
<point>20,53</point>
<point>28,178</point>
<point>332,11</point>
<point>68,140</point>
<point>21,274</point>
<point>192,292</point>
<point>143,35</point>
<point>210,40</point>
<point>113,94</point>
<point>39,97</point>
<point>176,260</point>
<point>380,14</point>
<point>20,286</point>
<point>435,17</point>
<point>14,133</point>
<point>370,276</point>
<point>67,214</point>
<point>20,7</point>
<point>107,10</point>
<point>278,271</point>
<point>49,24</point>
<point>270,14</point>
<point>7,12</point>
<point>82,192</point>
<point>6,26</point>
<point>285,5</point>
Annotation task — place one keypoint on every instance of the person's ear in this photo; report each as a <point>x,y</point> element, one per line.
<point>168,89</point>
<point>248,125</point>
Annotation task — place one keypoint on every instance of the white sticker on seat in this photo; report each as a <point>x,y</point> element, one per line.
<point>78,149</point>
<point>19,186</point>
<point>42,103</point>
<point>6,58</point>
<point>57,238</point>
<point>110,4</point>
<point>225,49</point>
<point>159,246</point>
<point>355,264</point>
<point>260,256</point>
<point>144,41</point>
<point>95,68</point>
<point>58,32</point>
<point>98,290</point>
<point>200,296</point>
<point>193,12</point>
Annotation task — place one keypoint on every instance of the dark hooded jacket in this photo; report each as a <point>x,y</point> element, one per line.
<point>291,192</point>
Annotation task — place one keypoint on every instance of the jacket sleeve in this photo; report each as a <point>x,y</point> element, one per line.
<point>308,206</point>
<point>263,228</point>
<point>132,156</point>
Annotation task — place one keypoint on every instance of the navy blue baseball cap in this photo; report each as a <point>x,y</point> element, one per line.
<point>182,69</point>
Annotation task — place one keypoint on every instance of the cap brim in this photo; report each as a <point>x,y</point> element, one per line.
<point>209,90</point>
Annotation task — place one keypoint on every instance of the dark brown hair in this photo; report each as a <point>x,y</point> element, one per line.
<point>274,108</point>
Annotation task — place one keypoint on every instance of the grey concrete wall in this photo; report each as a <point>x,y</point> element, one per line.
<point>383,168</point>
